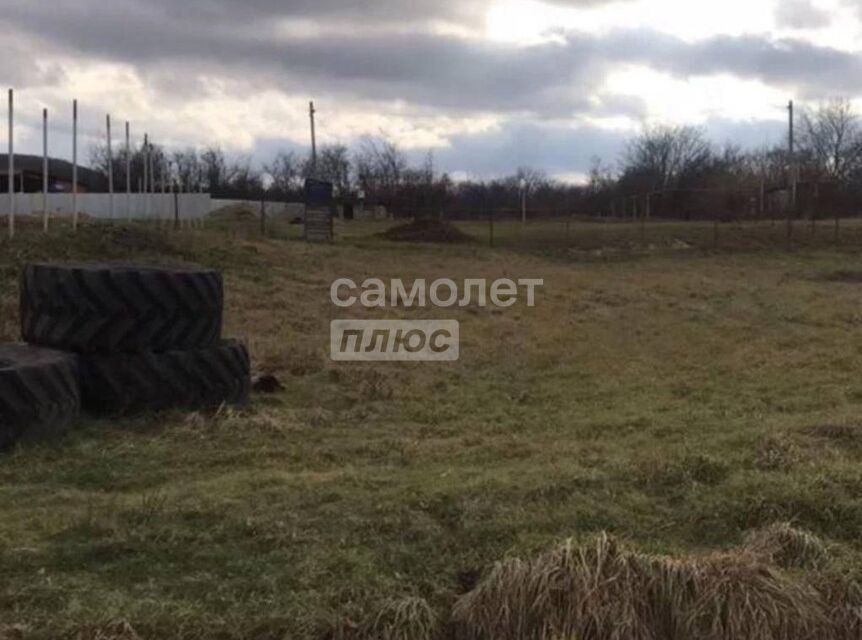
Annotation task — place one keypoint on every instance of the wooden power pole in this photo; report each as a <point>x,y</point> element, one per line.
<point>313,140</point>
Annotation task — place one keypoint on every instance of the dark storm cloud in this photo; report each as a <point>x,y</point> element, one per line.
<point>384,50</point>
<point>814,70</point>
<point>237,40</point>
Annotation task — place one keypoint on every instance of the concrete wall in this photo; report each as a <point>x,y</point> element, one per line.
<point>97,205</point>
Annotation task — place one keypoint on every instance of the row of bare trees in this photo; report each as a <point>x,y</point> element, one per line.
<point>683,174</point>
<point>672,171</point>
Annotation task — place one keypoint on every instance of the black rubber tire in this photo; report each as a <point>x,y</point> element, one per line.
<point>114,308</point>
<point>40,393</point>
<point>149,381</point>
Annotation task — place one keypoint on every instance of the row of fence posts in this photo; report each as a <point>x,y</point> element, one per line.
<point>148,180</point>
<point>642,224</point>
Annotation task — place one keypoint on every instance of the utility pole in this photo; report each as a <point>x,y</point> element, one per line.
<point>176,190</point>
<point>523,185</point>
<point>110,170</point>
<point>152,185</point>
<point>128,174</point>
<point>145,192</point>
<point>45,170</point>
<point>792,148</point>
<point>311,113</point>
<point>74,164</point>
<point>790,140</point>
<point>11,165</point>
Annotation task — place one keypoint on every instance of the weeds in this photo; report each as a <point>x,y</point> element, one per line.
<point>602,591</point>
<point>784,545</point>
<point>776,453</point>
<point>405,619</point>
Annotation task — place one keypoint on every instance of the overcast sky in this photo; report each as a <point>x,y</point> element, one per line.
<point>487,85</point>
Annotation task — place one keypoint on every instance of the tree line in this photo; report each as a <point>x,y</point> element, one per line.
<point>667,171</point>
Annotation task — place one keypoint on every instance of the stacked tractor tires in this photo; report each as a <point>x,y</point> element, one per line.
<point>134,338</point>
<point>40,393</point>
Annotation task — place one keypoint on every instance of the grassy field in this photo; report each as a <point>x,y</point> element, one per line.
<point>674,392</point>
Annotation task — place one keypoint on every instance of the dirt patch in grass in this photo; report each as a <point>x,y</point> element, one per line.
<point>427,231</point>
<point>234,212</point>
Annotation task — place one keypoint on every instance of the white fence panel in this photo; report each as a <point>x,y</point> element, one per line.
<point>155,206</point>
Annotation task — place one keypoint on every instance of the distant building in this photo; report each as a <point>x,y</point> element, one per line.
<point>28,176</point>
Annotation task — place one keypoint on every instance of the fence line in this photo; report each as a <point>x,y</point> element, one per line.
<point>143,206</point>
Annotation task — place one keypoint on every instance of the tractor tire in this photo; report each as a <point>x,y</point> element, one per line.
<point>118,384</point>
<point>40,393</point>
<point>90,308</point>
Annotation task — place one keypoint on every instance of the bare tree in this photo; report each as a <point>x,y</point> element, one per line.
<point>531,179</point>
<point>215,168</point>
<point>333,165</point>
<point>188,169</point>
<point>380,167</point>
<point>665,154</point>
<point>286,172</point>
<point>242,178</point>
<point>99,162</point>
<point>833,138</point>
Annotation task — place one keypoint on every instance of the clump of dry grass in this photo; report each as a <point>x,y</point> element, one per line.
<point>843,598</point>
<point>601,591</point>
<point>841,432</point>
<point>120,630</point>
<point>405,619</point>
<point>787,546</point>
<point>776,453</point>
<point>688,470</point>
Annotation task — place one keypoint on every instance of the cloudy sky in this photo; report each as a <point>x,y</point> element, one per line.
<point>487,85</point>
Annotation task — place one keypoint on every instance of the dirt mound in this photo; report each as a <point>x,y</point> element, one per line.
<point>234,212</point>
<point>427,231</point>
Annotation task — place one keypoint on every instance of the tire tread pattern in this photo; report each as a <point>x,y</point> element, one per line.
<point>40,394</point>
<point>93,308</point>
<point>116,384</point>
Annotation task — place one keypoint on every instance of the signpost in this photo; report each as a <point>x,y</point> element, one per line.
<point>318,210</point>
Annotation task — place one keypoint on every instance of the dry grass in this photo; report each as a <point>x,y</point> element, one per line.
<point>776,453</point>
<point>405,619</point>
<point>843,275</point>
<point>789,547</point>
<point>663,396</point>
<point>120,630</point>
<point>603,591</point>
<point>846,433</point>
<point>843,601</point>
